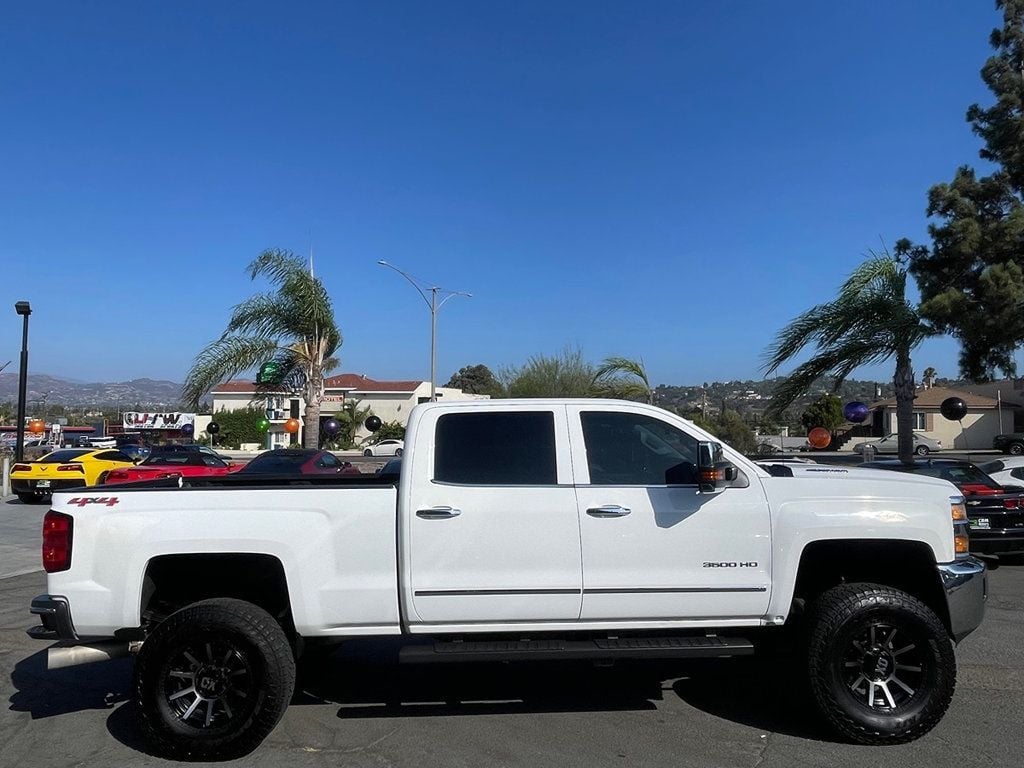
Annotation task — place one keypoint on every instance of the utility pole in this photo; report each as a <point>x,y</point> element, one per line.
<point>423,287</point>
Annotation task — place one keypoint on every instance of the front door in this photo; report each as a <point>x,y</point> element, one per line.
<point>493,531</point>
<point>654,546</point>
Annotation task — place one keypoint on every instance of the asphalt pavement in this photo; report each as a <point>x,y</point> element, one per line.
<point>366,710</point>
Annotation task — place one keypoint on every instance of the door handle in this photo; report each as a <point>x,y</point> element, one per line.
<point>438,513</point>
<point>608,510</point>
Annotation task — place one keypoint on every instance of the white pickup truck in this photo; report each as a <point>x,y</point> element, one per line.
<point>536,529</point>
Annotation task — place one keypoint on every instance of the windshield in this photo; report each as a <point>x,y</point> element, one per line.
<point>959,474</point>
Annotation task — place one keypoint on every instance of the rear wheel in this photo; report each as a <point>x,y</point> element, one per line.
<point>30,498</point>
<point>881,664</point>
<point>213,679</point>
<point>398,452</point>
<point>1017,449</point>
<point>921,450</point>
<point>367,452</point>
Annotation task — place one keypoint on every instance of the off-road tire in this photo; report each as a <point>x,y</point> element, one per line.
<point>848,611</point>
<point>255,643</point>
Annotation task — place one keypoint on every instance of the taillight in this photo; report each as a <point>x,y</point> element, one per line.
<point>1011,503</point>
<point>20,468</point>
<point>57,529</point>
<point>71,468</point>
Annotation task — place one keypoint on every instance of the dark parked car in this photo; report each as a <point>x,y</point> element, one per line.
<point>995,512</point>
<point>297,461</point>
<point>1012,443</point>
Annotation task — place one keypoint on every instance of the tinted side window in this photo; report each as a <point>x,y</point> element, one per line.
<point>496,449</point>
<point>631,449</point>
<point>1017,473</point>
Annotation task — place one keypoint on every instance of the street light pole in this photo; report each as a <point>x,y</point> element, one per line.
<point>432,303</point>
<point>24,309</point>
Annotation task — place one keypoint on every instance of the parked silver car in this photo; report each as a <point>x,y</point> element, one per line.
<point>890,444</point>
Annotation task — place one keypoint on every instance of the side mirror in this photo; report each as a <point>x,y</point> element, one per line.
<point>713,469</point>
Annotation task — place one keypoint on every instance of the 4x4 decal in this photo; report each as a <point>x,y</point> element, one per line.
<point>82,501</point>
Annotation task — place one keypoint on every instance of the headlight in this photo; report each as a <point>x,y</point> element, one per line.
<point>961,530</point>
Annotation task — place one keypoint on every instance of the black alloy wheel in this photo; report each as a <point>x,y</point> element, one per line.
<point>1017,449</point>
<point>213,680</point>
<point>881,663</point>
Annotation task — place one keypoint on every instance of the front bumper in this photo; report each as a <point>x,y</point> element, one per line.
<point>966,586</point>
<point>55,613</point>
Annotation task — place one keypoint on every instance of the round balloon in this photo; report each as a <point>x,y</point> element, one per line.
<point>212,428</point>
<point>331,427</point>
<point>819,437</point>
<point>291,426</point>
<point>35,426</point>
<point>953,408</point>
<point>373,423</point>
<point>188,430</point>
<point>856,412</point>
<point>262,425</point>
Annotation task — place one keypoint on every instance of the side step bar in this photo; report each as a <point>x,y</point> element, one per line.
<point>709,646</point>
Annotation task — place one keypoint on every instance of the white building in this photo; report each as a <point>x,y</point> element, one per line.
<point>390,400</point>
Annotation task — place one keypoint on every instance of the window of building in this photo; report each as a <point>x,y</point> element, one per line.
<point>496,448</point>
<point>920,421</point>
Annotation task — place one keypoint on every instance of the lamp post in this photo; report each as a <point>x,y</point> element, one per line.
<point>434,305</point>
<point>24,309</point>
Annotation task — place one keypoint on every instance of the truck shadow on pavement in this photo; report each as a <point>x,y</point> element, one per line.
<point>368,682</point>
<point>364,680</point>
<point>47,693</point>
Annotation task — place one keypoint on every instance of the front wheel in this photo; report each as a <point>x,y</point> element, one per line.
<point>398,452</point>
<point>212,680</point>
<point>1017,449</point>
<point>881,664</point>
<point>921,450</point>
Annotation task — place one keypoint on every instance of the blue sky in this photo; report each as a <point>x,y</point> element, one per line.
<point>671,181</point>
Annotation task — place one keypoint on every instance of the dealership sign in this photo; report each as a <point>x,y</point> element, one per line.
<point>136,420</point>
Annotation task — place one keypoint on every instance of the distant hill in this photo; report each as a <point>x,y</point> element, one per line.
<point>753,396</point>
<point>60,391</point>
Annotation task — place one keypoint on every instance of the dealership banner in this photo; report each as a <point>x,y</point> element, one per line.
<point>137,420</point>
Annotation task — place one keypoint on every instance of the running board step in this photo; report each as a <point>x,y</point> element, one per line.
<point>624,648</point>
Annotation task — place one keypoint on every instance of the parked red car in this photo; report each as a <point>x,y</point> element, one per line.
<point>163,464</point>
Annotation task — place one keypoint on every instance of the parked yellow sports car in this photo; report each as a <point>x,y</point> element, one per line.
<point>34,481</point>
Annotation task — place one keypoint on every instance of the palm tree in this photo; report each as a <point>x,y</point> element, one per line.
<point>870,321</point>
<point>352,417</point>
<point>623,378</point>
<point>293,327</point>
<point>569,374</point>
<point>930,374</point>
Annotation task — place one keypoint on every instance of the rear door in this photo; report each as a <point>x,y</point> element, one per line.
<point>491,518</point>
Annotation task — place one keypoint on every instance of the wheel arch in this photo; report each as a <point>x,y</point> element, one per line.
<point>903,564</point>
<point>176,580</point>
